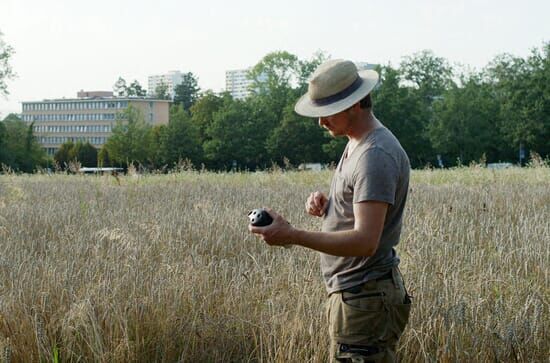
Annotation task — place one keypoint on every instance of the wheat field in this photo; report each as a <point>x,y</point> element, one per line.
<point>161,268</point>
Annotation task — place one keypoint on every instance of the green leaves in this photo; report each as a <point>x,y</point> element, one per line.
<point>131,139</point>
<point>187,92</point>
<point>18,147</point>
<point>121,88</point>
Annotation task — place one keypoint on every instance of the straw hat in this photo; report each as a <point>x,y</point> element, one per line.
<point>335,86</point>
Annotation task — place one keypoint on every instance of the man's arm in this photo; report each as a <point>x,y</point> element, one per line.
<point>362,240</point>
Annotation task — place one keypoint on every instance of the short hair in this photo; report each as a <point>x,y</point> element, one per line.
<point>366,102</point>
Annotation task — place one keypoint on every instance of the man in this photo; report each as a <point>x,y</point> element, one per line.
<point>368,305</point>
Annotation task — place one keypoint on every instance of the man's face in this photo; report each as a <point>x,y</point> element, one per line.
<point>337,125</point>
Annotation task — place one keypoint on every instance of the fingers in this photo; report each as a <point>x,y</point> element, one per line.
<point>318,199</point>
<point>316,204</point>
<point>256,229</point>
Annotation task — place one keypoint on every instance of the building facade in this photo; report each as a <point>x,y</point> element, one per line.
<point>88,118</point>
<point>171,79</point>
<point>238,84</point>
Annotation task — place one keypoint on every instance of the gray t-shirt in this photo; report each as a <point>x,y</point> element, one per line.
<point>377,169</point>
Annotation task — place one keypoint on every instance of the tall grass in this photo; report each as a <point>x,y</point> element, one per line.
<point>162,268</point>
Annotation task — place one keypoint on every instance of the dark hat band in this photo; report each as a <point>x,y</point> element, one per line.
<point>340,95</point>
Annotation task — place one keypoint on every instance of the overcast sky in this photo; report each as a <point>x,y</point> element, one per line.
<point>63,46</point>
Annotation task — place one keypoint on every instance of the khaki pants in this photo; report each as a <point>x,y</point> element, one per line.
<point>366,322</point>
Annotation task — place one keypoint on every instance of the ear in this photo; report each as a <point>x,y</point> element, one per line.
<point>355,108</point>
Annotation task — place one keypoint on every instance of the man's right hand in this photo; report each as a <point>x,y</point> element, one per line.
<point>316,204</point>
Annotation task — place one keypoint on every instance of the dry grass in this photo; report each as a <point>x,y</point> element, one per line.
<point>162,268</point>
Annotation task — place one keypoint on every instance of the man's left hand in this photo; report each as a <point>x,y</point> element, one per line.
<point>278,233</point>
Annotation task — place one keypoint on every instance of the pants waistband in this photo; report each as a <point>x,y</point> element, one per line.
<point>357,288</point>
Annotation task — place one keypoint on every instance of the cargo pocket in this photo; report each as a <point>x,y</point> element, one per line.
<point>400,316</point>
<point>360,317</point>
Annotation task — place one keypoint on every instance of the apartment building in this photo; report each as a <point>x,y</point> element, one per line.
<point>88,118</point>
<point>238,84</point>
<point>171,79</point>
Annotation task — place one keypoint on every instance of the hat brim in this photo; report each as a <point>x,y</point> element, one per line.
<point>307,107</point>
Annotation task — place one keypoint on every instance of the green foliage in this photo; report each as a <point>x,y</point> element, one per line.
<point>84,153</point>
<point>131,139</point>
<point>6,72</point>
<point>121,88</point>
<point>180,139</point>
<point>464,122</point>
<point>103,159</point>
<point>161,91</point>
<point>428,106</point>
<point>20,150</point>
<point>429,74</point>
<point>203,110</point>
<point>187,92</point>
<point>298,139</point>
<point>404,112</point>
<point>523,89</point>
<point>237,133</point>
<point>63,154</point>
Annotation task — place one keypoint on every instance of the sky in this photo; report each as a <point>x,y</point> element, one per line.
<point>63,46</point>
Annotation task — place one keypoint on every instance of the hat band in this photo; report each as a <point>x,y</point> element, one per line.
<point>340,95</point>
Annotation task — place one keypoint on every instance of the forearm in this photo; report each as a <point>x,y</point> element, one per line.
<point>341,243</point>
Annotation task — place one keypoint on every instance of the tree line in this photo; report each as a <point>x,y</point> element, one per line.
<point>442,114</point>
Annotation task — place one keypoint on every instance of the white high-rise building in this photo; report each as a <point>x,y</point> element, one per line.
<point>237,83</point>
<point>171,79</point>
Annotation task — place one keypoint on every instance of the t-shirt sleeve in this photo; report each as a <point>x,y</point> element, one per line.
<point>376,177</point>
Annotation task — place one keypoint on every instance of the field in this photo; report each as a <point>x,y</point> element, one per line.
<point>161,268</point>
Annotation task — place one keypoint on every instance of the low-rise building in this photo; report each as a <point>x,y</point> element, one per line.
<point>88,118</point>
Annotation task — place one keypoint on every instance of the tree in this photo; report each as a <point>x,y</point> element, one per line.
<point>161,91</point>
<point>135,89</point>
<point>63,154</point>
<point>121,88</point>
<point>6,72</point>
<point>429,74</point>
<point>298,139</point>
<point>187,92</point>
<point>3,144</point>
<point>103,159</point>
<point>130,140</point>
<point>523,89</point>
<point>21,151</point>
<point>464,122</point>
<point>85,153</point>
<point>236,135</point>
<point>202,112</point>
<point>403,110</point>
<point>155,152</point>
<point>181,138</point>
